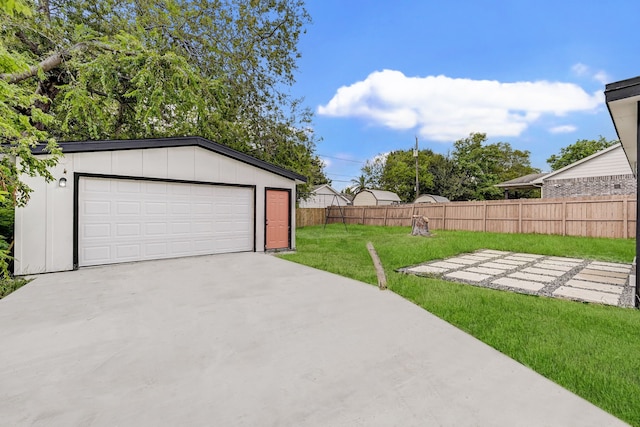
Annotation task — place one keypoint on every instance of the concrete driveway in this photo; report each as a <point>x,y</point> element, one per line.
<point>249,339</point>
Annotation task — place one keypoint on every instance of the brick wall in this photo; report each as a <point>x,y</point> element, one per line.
<point>591,186</point>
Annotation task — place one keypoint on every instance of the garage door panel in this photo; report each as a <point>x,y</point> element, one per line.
<point>98,186</point>
<point>92,207</point>
<point>128,208</point>
<point>127,252</point>
<point>97,230</point>
<point>179,228</point>
<point>181,208</point>
<point>140,220</point>
<point>128,186</point>
<point>157,187</point>
<point>155,229</point>
<point>155,208</point>
<point>97,255</point>
<point>203,208</point>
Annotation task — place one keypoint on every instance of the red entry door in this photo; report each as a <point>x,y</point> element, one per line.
<point>278,221</point>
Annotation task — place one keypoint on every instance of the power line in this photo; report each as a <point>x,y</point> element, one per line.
<point>337,174</point>
<point>344,160</point>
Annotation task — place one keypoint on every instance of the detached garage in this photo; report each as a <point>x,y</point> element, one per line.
<point>135,200</point>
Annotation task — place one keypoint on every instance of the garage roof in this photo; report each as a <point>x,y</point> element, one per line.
<point>186,141</point>
<point>622,100</point>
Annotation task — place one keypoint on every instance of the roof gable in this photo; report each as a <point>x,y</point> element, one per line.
<point>327,189</point>
<point>137,144</point>
<point>588,164</point>
<point>384,195</point>
<point>525,181</point>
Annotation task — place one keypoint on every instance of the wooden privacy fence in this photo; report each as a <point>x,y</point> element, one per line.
<point>309,216</point>
<point>610,216</point>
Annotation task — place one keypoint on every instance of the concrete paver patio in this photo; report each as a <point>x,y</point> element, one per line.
<point>247,340</point>
<point>572,278</point>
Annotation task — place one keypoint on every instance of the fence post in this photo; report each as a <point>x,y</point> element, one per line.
<point>625,218</point>
<point>484,220</point>
<point>386,210</point>
<point>444,217</point>
<point>564,218</point>
<point>520,217</point>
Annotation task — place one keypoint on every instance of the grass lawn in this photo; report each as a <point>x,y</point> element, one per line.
<point>592,350</point>
<point>9,285</point>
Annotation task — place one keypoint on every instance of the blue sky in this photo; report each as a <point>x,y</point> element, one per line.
<point>532,73</point>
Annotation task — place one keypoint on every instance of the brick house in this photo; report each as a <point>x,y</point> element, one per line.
<point>604,173</point>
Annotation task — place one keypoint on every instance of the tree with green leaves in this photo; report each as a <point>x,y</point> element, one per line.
<point>395,171</point>
<point>372,172</point>
<point>448,178</point>
<point>484,165</point>
<point>470,172</point>
<point>358,184</point>
<point>118,69</point>
<point>21,128</point>
<point>577,151</point>
<point>399,173</point>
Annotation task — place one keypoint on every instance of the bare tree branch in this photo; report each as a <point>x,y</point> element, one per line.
<point>33,47</point>
<point>51,62</point>
<point>47,64</point>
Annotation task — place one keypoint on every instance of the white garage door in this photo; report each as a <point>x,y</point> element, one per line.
<point>121,220</point>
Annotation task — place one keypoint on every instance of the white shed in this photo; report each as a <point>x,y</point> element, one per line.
<point>375,197</point>
<point>431,198</point>
<point>324,195</point>
<point>134,200</point>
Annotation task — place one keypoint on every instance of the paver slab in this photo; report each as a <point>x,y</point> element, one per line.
<point>532,277</point>
<point>503,267</point>
<point>493,252</point>
<point>610,264</point>
<point>561,263</point>
<point>511,261</point>
<point>609,268</point>
<point>484,270</point>
<point>427,269</point>
<point>605,273</point>
<point>544,271</point>
<point>518,258</point>
<point>565,259</point>
<point>520,284</point>
<point>467,275</point>
<point>587,295</point>
<point>600,279</point>
<point>447,265</point>
<point>545,265</point>
<point>463,261</point>
<point>595,286</point>
<point>530,256</point>
<point>475,258</point>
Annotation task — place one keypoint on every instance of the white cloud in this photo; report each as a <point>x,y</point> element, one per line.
<point>445,109</point>
<point>582,70</point>
<point>602,77</point>
<point>563,129</point>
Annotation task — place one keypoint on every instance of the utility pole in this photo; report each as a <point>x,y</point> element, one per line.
<point>415,155</point>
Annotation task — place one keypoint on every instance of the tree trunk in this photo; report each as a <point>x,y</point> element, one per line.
<point>420,226</point>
